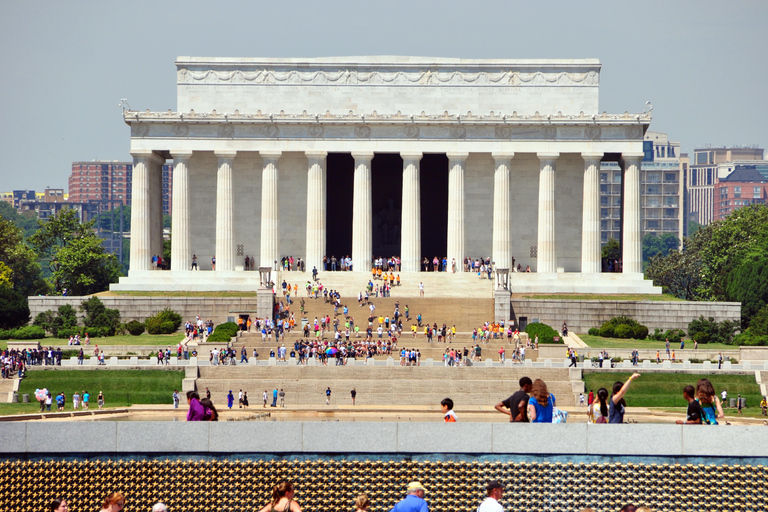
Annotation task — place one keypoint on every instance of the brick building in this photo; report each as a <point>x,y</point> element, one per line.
<point>742,187</point>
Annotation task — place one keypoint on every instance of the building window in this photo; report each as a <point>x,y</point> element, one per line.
<point>757,192</point>
<point>737,191</point>
<point>709,176</point>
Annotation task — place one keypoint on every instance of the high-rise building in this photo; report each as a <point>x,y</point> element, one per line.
<point>661,191</point>
<point>703,174</point>
<point>109,184</point>
<point>743,186</point>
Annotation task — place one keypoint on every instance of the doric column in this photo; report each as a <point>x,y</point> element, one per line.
<point>590,214</point>
<point>362,214</point>
<point>156,205</point>
<point>225,212</point>
<point>410,232</point>
<point>632,245</point>
<point>457,237</point>
<point>144,167</point>
<point>181,246</point>
<point>270,209</point>
<point>316,209</point>
<point>501,210</point>
<point>547,250</point>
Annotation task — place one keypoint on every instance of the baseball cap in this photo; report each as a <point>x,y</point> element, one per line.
<point>416,486</point>
<point>493,484</point>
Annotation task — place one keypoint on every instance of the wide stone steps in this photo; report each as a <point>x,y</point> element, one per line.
<point>465,313</point>
<point>381,385</point>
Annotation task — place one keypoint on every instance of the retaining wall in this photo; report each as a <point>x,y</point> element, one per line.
<point>394,438</point>
<point>581,315</point>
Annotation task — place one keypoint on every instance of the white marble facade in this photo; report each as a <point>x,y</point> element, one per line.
<point>250,139</point>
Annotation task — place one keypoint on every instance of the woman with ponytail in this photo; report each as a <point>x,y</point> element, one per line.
<point>282,499</point>
<point>599,408</point>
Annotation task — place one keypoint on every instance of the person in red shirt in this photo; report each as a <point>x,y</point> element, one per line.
<point>590,398</point>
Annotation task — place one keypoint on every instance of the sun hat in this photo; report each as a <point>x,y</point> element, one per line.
<point>416,486</point>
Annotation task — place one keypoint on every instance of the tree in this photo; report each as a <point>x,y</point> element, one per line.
<point>14,310</point>
<point>83,266</point>
<point>612,250</point>
<point>25,274</point>
<point>100,317</point>
<point>28,224</point>
<point>748,284</point>
<point>678,273</point>
<point>654,245</point>
<point>75,255</point>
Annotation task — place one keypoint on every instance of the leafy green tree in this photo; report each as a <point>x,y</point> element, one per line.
<point>75,255</point>
<point>99,316</point>
<point>25,274</point>
<point>14,309</point>
<point>612,250</point>
<point>654,245</point>
<point>27,223</point>
<point>678,273</point>
<point>748,284</point>
<point>693,227</point>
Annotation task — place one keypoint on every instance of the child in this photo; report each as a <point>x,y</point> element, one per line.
<point>446,404</point>
<point>581,399</point>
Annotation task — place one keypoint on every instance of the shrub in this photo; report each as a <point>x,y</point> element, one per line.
<point>594,331</point>
<point>97,315</point>
<point>702,337</point>
<point>543,331</point>
<point>135,327</point>
<point>658,335</point>
<point>5,334</point>
<point>46,320</point>
<point>29,332</point>
<point>674,335</point>
<point>607,330</point>
<point>623,331</point>
<point>219,336</point>
<point>639,332</point>
<point>166,321</point>
<point>66,333</point>
<point>230,327</point>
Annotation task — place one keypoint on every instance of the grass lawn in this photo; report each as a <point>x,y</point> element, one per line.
<point>600,342</point>
<point>666,389</point>
<point>144,339</point>
<point>121,387</point>
<point>604,296</point>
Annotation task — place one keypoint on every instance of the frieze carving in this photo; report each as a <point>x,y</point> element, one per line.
<point>549,132</point>
<point>427,77</point>
<point>181,130</point>
<point>503,132</point>
<point>316,130</point>
<point>362,131</point>
<point>458,132</point>
<point>226,131</point>
<point>140,130</point>
<point>411,130</point>
<point>593,132</point>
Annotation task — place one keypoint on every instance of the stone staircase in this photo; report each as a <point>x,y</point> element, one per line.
<point>466,314</point>
<point>436,284</point>
<point>378,385</point>
<point>7,387</point>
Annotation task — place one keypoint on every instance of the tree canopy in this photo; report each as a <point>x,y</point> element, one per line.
<point>654,245</point>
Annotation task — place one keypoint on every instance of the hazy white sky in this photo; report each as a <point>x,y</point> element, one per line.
<point>65,65</point>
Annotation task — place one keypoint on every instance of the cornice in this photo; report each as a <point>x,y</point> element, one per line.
<point>193,125</point>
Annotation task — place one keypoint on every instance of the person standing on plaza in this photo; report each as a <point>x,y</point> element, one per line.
<point>694,413</point>
<point>230,399</point>
<point>265,398</point>
<point>354,395</point>
<point>282,499</point>
<point>667,345</point>
<point>113,502</point>
<point>710,404</point>
<point>328,396</point>
<point>413,501</point>
<point>516,406</point>
<point>175,398</point>
<point>282,398</point>
<point>362,503</point>
<point>617,405</point>
<point>494,490</point>
<point>100,399</point>
<point>541,403</point>
<point>274,397</point>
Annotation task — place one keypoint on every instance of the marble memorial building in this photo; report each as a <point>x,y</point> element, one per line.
<point>382,156</point>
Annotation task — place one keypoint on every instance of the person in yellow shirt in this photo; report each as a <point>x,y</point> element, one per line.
<point>764,406</point>
<point>398,279</point>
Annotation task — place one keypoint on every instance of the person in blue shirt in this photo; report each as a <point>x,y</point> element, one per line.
<point>541,403</point>
<point>413,501</point>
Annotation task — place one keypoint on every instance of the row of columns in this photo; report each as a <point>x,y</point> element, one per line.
<point>146,212</point>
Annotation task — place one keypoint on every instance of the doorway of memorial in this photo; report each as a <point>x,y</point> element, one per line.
<point>340,178</point>
<point>434,212</point>
<point>387,203</point>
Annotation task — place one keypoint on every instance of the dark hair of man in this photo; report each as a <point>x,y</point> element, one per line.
<point>56,503</point>
<point>690,391</point>
<point>447,402</point>
<point>192,394</point>
<point>525,381</point>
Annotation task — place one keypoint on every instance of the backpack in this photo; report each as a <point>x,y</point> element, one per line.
<point>709,413</point>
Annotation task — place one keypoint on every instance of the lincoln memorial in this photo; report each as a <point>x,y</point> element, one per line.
<point>384,156</point>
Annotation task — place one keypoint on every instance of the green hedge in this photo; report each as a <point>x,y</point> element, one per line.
<point>621,327</point>
<point>30,332</point>
<point>224,332</point>
<point>135,327</point>
<point>166,321</point>
<point>545,333</point>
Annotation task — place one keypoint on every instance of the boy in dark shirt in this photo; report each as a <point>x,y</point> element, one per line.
<point>693,416</point>
<point>516,406</point>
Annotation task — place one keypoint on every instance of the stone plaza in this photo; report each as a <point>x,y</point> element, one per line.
<point>380,156</point>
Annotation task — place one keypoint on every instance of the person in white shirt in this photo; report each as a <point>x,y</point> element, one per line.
<point>491,504</point>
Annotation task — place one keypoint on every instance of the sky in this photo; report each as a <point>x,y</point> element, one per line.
<point>66,65</point>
